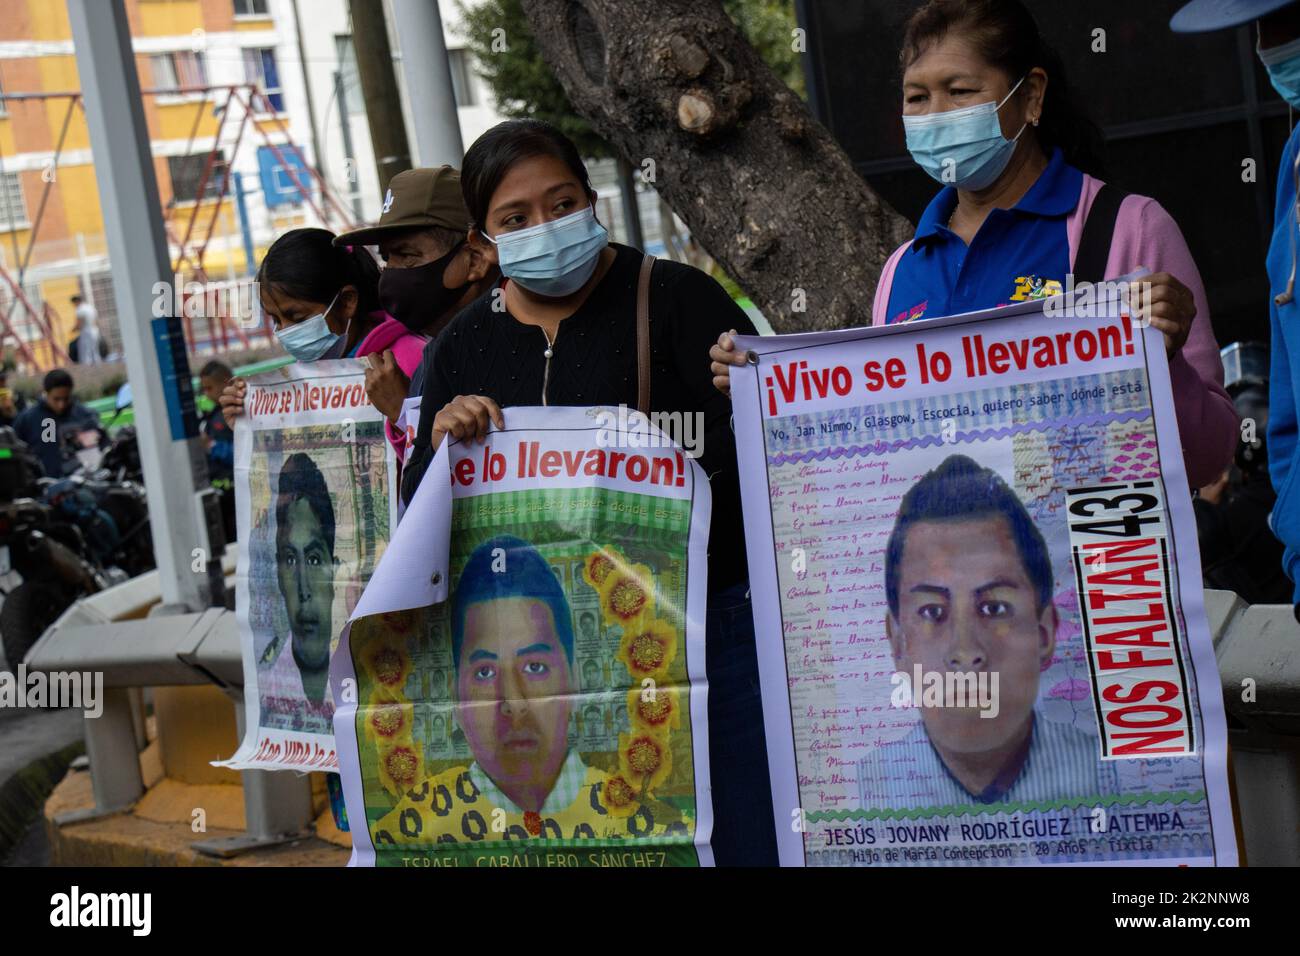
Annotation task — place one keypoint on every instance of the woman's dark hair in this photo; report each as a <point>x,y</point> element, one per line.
<point>305,264</point>
<point>493,154</point>
<point>1006,35</point>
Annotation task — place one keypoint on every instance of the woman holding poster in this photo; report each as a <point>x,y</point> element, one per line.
<point>988,114</point>
<point>562,329</point>
<point>323,301</point>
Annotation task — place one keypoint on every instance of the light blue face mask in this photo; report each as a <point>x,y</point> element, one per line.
<point>963,148</point>
<point>554,258</point>
<point>1283,66</point>
<point>311,339</point>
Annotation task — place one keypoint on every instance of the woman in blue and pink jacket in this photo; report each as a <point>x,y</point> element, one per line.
<point>323,301</point>
<point>987,114</point>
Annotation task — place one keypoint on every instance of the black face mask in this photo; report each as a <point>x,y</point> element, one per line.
<point>416,296</point>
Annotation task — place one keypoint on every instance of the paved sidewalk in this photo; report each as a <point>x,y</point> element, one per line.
<point>28,737</point>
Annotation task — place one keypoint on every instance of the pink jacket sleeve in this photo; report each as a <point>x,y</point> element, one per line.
<point>1147,236</point>
<point>880,304</point>
<point>408,351</point>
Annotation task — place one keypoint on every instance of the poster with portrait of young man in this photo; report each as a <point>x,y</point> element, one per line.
<point>314,476</point>
<point>522,683</point>
<point>981,631</point>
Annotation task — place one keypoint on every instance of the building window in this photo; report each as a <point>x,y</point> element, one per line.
<point>261,71</point>
<point>23,322</point>
<point>186,171</point>
<point>13,209</point>
<point>353,101</point>
<point>178,70</point>
<point>102,297</point>
<point>462,77</point>
<point>251,8</point>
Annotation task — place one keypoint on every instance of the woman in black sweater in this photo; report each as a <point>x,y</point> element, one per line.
<point>560,329</point>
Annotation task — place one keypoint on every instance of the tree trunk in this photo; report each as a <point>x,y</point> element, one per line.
<point>677,88</point>
<point>379,89</point>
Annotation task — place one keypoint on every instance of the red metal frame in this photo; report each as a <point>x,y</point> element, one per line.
<point>188,252</point>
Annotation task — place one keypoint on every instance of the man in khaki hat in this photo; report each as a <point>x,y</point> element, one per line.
<point>430,271</point>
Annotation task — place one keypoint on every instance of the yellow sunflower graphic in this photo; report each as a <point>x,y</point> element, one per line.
<point>599,564</point>
<point>654,709</point>
<point>401,766</point>
<point>627,594</point>
<point>398,622</point>
<point>644,759</point>
<point>387,662</point>
<point>646,651</point>
<point>387,720</point>
<point>619,797</point>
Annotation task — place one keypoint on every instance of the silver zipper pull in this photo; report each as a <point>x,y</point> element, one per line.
<point>546,372</point>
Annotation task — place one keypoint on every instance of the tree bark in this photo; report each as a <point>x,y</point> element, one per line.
<point>379,89</point>
<point>764,187</point>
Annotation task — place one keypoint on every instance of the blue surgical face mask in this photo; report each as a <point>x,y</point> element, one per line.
<point>1283,66</point>
<point>963,148</point>
<point>311,339</point>
<point>555,258</point>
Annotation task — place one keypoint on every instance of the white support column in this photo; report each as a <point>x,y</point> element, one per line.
<point>426,71</point>
<point>154,349</point>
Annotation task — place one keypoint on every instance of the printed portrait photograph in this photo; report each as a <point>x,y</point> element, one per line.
<point>319,526</point>
<point>970,588</point>
<point>528,697</point>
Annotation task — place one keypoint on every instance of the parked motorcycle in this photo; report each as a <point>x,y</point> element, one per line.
<point>67,537</point>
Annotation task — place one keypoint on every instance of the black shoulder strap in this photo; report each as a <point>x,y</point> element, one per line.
<point>1094,245</point>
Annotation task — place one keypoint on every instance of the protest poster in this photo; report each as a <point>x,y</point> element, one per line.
<point>314,478</point>
<point>981,630</point>
<point>522,683</point>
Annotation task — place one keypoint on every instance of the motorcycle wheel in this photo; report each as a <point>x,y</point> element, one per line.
<point>28,610</point>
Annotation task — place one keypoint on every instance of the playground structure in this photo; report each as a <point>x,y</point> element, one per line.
<point>220,314</point>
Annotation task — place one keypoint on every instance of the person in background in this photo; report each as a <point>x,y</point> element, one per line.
<point>431,271</point>
<point>218,437</point>
<point>988,114</point>
<point>323,301</point>
<point>11,403</point>
<point>1277,27</point>
<point>52,419</point>
<point>565,333</point>
<point>87,331</point>
<point>219,440</point>
<point>1238,550</point>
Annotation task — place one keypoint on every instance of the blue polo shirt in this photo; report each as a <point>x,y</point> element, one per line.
<point>1019,253</point>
